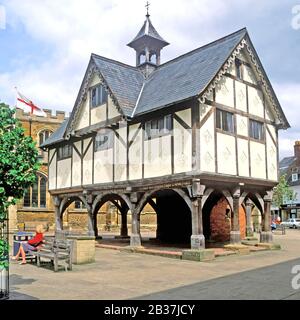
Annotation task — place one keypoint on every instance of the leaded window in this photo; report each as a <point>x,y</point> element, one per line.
<point>104,141</point>
<point>256,130</point>
<point>64,152</point>
<point>36,195</point>
<point>225,121</point>
<point>158,127</point>
<point>98,96</point>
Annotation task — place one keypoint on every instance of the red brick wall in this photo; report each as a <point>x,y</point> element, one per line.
<point>220,225</point>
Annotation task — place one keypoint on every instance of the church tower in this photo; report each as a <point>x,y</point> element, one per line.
<point>148,45</point>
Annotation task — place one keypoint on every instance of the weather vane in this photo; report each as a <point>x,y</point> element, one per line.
<point>147,6</point>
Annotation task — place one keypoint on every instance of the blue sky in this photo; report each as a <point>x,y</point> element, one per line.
<point>46,45</point>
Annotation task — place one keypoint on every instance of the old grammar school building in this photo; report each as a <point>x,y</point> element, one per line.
<point>195,137</point>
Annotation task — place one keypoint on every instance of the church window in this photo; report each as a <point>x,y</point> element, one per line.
<point>104,141</point>
<point>36,195</point>
<point>43,136</point>
<point>65,152</point>
<point>98,96</point>
<point>225,121</point>
<point>158,127</point>
<point>256,130</point>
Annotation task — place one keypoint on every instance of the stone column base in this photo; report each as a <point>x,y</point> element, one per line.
<point>266,237</point>
<point>198,255</point>
<point>135,240</point>
<point>235,237</point>
<point>197,242</point>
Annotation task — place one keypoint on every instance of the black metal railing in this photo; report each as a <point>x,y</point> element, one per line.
<point>4,257</point>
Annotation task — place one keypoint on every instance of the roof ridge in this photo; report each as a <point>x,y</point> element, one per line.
<point>202,47</point>
<point>94,55</point>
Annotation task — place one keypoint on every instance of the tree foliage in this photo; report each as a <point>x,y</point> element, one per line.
<point>18,160</point>
<point>283,192</point>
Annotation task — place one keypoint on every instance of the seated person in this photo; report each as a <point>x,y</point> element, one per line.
<point>31,244</point>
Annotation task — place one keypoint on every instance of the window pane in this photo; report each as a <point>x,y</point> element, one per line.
<point>27,198</point>
<point>43,185</point>
<point>94,97</point>
<point>34,197</point>
<point>41,138</point>
<point>161,125</point>
<point>256,130</point>
<point>219,126</point>
<point>168,123</point>
<point>104,95</point>
<point>230,126</point>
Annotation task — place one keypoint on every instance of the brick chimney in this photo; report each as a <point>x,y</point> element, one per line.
<point>297,151</point>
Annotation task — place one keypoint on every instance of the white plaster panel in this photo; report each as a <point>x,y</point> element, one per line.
<point>98,114</point>
<point>269,114</point>
<point>103,166</point>
<point>224,92</point>
<point>83,119</point>
<point>242,125</point>
<point>231,69</point>
<point>88,166</point>
<point>135,154</point>
<point>51,152</point>
<point>120,155</point>
<point>52,172</point>
<point>85,144</point>
<point>249,75</point>
<point>112,110</point>
<point>185,115</point>
<point>258,160</point>
<point>132,131</point>
<point>182,148</point>
<point>271,158</point>
<point>204,109</point>
<point>78,146</point>
<point>241,96</point>
<point>243,157</point>
<point>273,131</point>
<point>226,154</point>
<point>242,56</point>
<point>158,157</point>
<point>256,106</point>
<point>76,169</point>
<point>64,173</point>
<point>94,80</point>
<point>207,145</point>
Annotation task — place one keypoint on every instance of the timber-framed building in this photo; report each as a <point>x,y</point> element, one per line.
<point>185,136</point>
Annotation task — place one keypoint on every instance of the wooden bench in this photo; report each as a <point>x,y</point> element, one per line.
<point>56,251</point>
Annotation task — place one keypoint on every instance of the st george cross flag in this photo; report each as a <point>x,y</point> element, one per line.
<point>28,106</point>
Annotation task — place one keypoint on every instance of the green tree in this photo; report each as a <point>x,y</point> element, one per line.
<point>283,192</point>
<point>18,166</point>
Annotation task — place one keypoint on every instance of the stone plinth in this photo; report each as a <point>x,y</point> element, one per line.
<point>269,246</point>
<point>83,249</point>
<point>238,248</point>
<point>198,255</point>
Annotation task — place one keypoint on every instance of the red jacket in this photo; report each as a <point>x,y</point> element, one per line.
<point>36,240</point>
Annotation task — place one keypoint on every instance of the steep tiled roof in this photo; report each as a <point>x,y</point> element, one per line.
<point>177,80</point>
<point>187,75</point>
<point>57,136</point>
<point>124,81</point>
<point>285,163</point>
<point>147,30</point>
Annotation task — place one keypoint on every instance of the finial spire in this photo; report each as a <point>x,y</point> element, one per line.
<point>147,6</point>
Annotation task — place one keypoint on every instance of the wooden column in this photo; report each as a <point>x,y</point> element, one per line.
<point>91,220</point>
<point>266,236</point>
<point>135,238</point>
<point>235,234</point>
<point>58,214</point>
<point>249,207</point>
<point>124,228</point>
<point>197,238</point>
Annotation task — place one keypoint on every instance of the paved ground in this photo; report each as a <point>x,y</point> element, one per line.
<point>119,275</point>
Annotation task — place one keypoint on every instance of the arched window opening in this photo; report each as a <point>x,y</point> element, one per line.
<point>36,195</point>
<point>43,136</point>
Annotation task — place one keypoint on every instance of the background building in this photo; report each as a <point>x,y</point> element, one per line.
<point>290,166</point>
